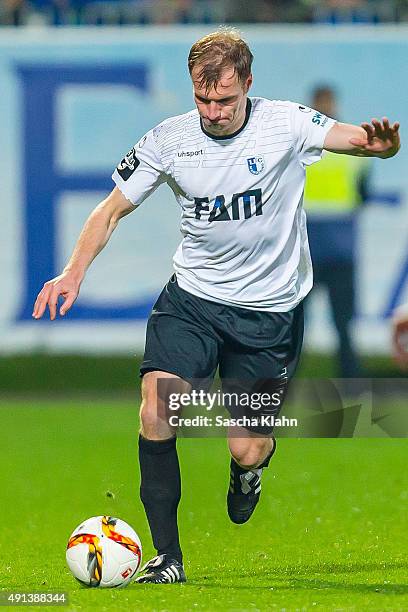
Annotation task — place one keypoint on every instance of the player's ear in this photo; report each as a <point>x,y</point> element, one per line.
<point>248,83</point>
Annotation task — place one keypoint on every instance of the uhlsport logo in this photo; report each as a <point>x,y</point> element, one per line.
<point>256,164</point>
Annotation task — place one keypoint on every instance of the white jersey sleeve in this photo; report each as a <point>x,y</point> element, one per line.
<point>309,129</point>
<point>141,171</point>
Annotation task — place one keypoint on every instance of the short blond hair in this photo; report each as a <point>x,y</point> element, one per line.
<point>217,51</point>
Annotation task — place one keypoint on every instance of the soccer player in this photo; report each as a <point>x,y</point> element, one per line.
<point>236,166</point>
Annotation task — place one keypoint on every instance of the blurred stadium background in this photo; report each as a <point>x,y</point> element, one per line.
<point>83,80</point>
<point>147,12</point>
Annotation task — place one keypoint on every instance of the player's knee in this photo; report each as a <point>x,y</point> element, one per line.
<point>154,411</point>
<point>147,420</point>
<point>251,452</point>
<point>248,460</point>
<point>153,425</point>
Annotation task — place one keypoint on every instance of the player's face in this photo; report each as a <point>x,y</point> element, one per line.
<point>221,108</point>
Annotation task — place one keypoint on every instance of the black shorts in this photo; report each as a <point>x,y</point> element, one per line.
<point>254,351</point>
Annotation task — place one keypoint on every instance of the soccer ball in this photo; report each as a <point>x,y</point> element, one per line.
<point>104,551</point>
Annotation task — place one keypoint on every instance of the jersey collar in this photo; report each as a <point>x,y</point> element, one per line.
<point>228,136</point>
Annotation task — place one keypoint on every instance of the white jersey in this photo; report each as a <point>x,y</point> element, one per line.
<point>244,229</point>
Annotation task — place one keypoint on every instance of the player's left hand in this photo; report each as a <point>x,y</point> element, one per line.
<point>382,139</point>
<point>400,337</point>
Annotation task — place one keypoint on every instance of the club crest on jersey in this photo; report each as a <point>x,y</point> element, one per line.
<point>256,164</point>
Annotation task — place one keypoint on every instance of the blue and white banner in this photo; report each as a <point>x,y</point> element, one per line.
<point>73,102</point>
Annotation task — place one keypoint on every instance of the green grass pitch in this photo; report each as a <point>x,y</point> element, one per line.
<point>329,533</point>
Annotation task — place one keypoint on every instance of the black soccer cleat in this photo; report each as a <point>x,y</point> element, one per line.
<point>245,490</point>
<point>244,493</point>
<point>162,570</point>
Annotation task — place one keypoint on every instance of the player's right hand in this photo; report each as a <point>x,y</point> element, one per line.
<point>65,285</point>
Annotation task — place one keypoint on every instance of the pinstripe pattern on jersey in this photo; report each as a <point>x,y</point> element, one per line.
<point>267,132</point>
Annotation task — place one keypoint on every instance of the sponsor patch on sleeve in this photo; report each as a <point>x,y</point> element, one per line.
<point>128,165</point>
<point>319,119</point>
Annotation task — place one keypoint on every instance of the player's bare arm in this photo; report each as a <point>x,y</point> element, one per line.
<point>375,139</point>
<point>94,236</point>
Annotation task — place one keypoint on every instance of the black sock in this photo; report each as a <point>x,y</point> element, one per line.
<point>160,492</point>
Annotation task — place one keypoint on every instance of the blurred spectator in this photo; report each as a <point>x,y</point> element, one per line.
<point>55,12</point>
<point>335,188</point>
<point>12,12</point>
